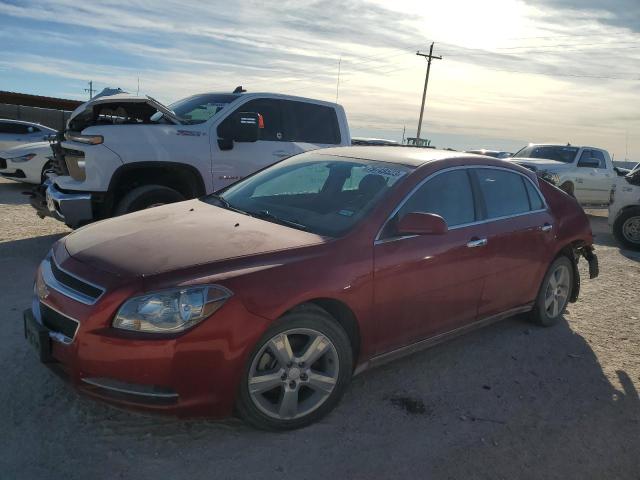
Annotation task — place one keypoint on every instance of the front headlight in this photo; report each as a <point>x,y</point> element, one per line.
<point>170,311</point>
<point>23,158</point>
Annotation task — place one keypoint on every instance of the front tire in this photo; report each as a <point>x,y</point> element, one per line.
<point>626,228</point>
<point>147,196</point>
<point>297,371</point>
<point>554,293</point>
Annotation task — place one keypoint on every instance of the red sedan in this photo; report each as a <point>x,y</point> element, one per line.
<point>265,299</point>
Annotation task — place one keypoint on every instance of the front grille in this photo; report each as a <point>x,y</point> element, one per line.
<point>3,163</point>
<point>59,165</point>
<point>57,322</point>
<point>74,283</point>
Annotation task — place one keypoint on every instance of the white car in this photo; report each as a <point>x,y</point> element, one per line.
<point>27,163</point>
<point>124,153</point>
<point>18,132</point>
<point>624,210</point>
<point>583,172</point>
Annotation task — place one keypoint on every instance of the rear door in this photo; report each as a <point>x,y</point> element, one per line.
<point>245,158</point>
<point>310,126</point>
<point>429,284</point>
<point>520,238</point>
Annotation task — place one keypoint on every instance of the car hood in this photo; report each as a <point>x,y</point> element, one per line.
<point>178,236</point>
<point>117,100</point>
<point>24,149</point>
<point>540,163</point>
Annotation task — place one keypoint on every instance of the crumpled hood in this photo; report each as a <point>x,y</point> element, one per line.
<point>541,163</point>
<point>179,236</point>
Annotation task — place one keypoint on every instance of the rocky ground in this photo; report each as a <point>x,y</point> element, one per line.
<point>509,401</point>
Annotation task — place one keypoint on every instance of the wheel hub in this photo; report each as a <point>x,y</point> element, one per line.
<point>293,373</point>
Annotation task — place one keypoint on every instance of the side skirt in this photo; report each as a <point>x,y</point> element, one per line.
<point>432,341</point>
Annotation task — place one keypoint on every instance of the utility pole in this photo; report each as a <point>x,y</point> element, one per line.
<point>429,57</point>
<point>90,89</point>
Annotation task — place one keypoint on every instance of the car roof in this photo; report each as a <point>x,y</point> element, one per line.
<point>24,122</point>
<point>403,155</point>
<point>563,145</point>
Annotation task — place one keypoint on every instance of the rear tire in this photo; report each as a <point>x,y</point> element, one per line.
<point>147,196</point>
<point>554,293</point>
<point>297,372</point>
<point>567,187</point>
<point>46,168</point>
<point>626,228</point>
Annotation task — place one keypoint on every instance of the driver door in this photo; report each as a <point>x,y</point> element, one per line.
<point>245,158</point>
<point>425,285</point>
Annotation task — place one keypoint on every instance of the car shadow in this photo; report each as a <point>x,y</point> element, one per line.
<point>508,401</point>
<point>603,236</point>
<point>11,193</point>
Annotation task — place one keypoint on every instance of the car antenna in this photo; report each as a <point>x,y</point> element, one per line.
<point>239,89</point>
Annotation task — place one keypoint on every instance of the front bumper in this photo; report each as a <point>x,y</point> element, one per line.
<point>74,209</point>
<point>195,373</point>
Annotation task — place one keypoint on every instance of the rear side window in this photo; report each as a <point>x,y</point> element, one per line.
<point>504,192</point>
<point>311,123</point>
<point>15,128</point>
<point>448,194</point>
<point>535,201</point>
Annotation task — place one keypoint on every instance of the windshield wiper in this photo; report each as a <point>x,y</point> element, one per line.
<point>270,217</point>
<point>225,204</point>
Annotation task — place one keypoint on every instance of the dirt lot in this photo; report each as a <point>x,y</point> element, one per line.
<point>510,401</point>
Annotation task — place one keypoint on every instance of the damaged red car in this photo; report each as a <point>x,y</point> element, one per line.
<point>265,299</point>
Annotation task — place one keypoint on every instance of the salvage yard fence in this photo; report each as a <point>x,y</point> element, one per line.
<point>45,116</point>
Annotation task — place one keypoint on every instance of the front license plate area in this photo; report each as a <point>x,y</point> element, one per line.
<point>38,337</point>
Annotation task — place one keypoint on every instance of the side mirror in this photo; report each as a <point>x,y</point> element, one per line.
<point>239,127</point>
<point>589,163</point>
<point>421,224</point>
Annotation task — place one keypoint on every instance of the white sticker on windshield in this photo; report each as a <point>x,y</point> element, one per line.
<point>385,171</point>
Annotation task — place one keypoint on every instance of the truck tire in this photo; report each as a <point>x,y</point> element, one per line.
<point>626,228</point>
<point>568,188</point>
<point>147,196</point>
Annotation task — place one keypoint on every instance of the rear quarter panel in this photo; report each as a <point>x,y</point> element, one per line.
<point>571,224</point>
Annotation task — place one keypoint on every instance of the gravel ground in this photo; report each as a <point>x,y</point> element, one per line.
<point>509,401</point>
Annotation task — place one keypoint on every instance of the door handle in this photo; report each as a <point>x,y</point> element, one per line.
<point>477,242</point>
<point>546,227</point>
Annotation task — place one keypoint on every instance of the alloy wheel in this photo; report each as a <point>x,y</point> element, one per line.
<point>293,373</point>
<point>557,291</point>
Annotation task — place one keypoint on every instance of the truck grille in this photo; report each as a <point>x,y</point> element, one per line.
<point>58,322</point>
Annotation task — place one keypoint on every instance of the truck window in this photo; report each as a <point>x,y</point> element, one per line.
<point>310,123</point>
<point>271,112</point>
<point>600,156</point>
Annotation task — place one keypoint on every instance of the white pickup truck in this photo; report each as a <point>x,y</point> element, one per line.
<point>123,153</point>
<point>624,210</point>
<point>584,172</point>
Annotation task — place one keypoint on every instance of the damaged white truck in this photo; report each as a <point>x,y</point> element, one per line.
<point>124,153</point>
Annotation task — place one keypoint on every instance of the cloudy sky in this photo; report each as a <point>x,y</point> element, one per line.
<point>512,72</point>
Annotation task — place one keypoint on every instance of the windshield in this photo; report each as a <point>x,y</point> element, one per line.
<point>200,108</point>
<point>549,152</point>
<point>321,194</point>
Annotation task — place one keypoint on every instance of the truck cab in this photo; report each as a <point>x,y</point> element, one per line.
<point>584,172</point>
<point>123,153</point>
